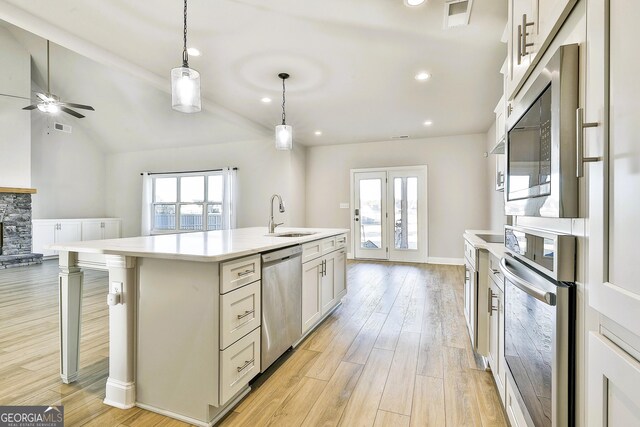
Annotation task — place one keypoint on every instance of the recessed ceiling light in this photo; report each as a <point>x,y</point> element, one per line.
<point>422,76</point>
<point>318,132</point>
<point>428,123</point>
<point>192,51</point>
<point>413,2</point>
<point>266,100</point>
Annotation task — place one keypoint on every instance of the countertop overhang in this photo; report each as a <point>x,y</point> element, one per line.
<point>204,246</point>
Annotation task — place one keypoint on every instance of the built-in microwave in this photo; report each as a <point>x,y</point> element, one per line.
<point>541,142</point>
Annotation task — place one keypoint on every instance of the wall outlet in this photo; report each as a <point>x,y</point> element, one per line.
<point>344,205</point>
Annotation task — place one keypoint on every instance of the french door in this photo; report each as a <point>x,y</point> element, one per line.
<point>390,214</point>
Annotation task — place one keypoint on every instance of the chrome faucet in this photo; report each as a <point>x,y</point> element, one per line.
<point>272,224</point>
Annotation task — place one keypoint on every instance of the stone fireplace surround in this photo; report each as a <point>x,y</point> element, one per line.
<point>16,228</point>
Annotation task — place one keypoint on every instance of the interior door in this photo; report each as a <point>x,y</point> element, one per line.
<point>407,206</point>
<point>369,215</point>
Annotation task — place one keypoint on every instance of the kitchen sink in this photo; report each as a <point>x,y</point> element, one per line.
<point>293,234</point>
<point>491,238</point>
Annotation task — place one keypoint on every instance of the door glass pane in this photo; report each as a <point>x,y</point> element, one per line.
<point>214,216</point>
<point>164,217</point>
<point>215,189</point>
<point>166,190</point>
<point>192,189</point>
<point>405,212</point>
<point>191,217</point>
<point>371,213</point>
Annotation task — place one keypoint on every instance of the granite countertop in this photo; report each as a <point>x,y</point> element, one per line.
<point>207,246</point>
<point>496,249</point>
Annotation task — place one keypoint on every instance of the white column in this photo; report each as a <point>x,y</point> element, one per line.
<point>121,391</point>
<point>70,293</point>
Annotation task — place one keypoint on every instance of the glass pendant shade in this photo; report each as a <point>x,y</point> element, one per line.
<point>185,90</point>
<point>284,137</point>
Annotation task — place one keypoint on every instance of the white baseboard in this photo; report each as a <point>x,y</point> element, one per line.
<point>349,255</point>
<point>447,261</point>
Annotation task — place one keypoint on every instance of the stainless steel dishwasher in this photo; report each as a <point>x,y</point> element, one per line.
<point>281,302</point>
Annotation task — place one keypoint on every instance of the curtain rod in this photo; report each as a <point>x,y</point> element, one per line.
<point>174,173</point>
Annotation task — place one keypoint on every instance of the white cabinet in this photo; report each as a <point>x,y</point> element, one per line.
<point>100,229</point>
<point>323,278</point>
<point>311,280</point>
<point>496,358</point>
<point>532,25</point>
<point>613,385</point>
<point>50,232</point>
<point>498,150</point>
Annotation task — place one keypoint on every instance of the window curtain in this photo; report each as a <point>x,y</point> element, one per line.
<point>147,204</point>
<point>229,198</point>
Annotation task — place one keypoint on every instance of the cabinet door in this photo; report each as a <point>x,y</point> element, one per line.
<point>111,229</point>
<point>69,231</point>
<point>91,230</point>
<point>340,275</point>
<point>44,234</point>
<point>502,363</point>
<point>551,14</point>
<point>614,206</point>
<point>494,328</point>
<point>518,63</point>
<point>470,298</point>
<point>311,278</point>
<point>328,297</point>
<point>613,378</point>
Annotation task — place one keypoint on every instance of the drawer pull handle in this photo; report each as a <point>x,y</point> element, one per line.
<point>246,313</point>
<point>245,366</point>
<point>495,271</point>
<point>246,272</point>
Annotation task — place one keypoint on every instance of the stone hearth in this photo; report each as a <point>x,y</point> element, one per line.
<point>16,229</point>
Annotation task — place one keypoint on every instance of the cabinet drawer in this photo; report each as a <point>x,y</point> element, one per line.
<point>329,245</point>
<point>239,272</point>
<point>239,313</point>
<point>238,365</point>
<point>514,413</point>
<point>494,272</point>
<point>341,241</point>
<point>311,250</point>
<point>470,254</point>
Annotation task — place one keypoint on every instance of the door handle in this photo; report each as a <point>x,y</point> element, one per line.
<point>524,45</point>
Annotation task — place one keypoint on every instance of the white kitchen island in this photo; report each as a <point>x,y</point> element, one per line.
<point>184,313</point>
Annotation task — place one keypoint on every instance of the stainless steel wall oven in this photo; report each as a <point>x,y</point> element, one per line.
<point>540,324</point>
<point>541,142</point>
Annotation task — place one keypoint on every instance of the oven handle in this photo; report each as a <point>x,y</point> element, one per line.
<point>546,297</point>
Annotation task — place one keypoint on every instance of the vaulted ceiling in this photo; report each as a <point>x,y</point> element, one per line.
<point>352,66</point>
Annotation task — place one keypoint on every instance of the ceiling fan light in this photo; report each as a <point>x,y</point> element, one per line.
<point>49,108</point>
<point>185,90</point>
<point>284,137</point>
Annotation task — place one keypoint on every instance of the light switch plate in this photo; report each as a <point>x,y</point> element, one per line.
<point>344,205</point>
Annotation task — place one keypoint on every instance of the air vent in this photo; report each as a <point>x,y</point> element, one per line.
<point>62,127</point>
<point>456,13</point>
<point>400,137</point>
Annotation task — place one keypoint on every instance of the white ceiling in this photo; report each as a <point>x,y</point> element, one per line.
<point>351,62</point>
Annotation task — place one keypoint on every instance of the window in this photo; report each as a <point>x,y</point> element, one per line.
<point>190,202</point>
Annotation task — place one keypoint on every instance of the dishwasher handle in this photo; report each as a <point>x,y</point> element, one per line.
<point>282,254</point>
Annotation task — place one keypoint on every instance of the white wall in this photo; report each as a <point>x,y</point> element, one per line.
<point>69,171</point>
<point>262,171</point>
<point>497,218</point>
<point>15,124</point>
<point>457,189</point>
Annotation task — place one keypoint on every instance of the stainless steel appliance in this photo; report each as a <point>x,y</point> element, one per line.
<point>541,142</point>
<point>281,302</point>
<point>540,324</point>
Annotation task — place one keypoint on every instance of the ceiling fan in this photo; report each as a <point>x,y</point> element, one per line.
<point>50,103</point>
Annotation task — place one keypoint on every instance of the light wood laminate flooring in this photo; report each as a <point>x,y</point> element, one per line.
<point>396,353</point>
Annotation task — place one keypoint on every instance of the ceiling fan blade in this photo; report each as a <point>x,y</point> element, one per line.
<point>42,97</point>
<point>83,107</point>
<point>14,96</point>
<point>73,113</point>
<point>30,107</point>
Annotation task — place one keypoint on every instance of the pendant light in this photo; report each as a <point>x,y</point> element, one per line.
<point>185,81</point>
<point>284,132</point>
